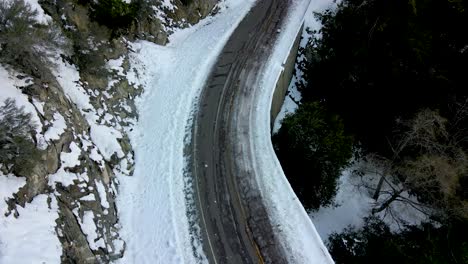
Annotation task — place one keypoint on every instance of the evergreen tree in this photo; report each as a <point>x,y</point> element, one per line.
<point>313,149</point>
<point>18,153</point>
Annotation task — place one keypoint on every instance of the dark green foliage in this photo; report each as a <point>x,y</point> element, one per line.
<point>24,43</point>
<point>186,2</point>
<point>313,149</point>
<point>115,14</point>
<point>375,243</point>
<point>18,154</point>
<point>379,61</point>
<point>16,30</point>
<point>382,59</point>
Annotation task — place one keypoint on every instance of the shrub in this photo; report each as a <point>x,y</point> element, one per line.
<point>313,149</point>
<point>18,152</point>
<point>23,42</point>
<point>115,14</point>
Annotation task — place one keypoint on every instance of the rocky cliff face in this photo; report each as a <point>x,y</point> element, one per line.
<point>84,100</point>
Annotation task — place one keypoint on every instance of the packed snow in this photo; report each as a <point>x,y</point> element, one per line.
<point>56,130</point>
<point>152,207</point>
<point>298,232</point>
<point>90,198</point>
<point>30,237</point>
<point>102,194</point>
<point>71,159</point>
<point>116,65</point>
<point>9,184</point>
<point>69,79</point>
<point>67,160</point>
<point>106,139</point>
<point>88,226</point>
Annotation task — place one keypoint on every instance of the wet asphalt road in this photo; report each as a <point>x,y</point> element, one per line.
<point>231,232</point>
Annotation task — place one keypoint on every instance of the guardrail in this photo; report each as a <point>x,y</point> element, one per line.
<point>284,78</point>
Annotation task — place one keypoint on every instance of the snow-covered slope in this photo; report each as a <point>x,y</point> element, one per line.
<point>27,235</point>
<point>152,203</point>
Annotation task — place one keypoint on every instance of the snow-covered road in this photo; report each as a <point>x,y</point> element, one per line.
<point>236,227</point>
<point>294,229</point>
<point>155,205</point>
<point>152,203</point>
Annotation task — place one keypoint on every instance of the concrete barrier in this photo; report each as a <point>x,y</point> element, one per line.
<point>284,79</point>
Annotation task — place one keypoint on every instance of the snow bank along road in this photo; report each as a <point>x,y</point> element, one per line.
<point>237,228</point>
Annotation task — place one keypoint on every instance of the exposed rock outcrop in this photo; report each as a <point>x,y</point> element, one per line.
<point>86,87</point>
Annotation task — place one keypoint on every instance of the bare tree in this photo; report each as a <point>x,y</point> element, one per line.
<point>428,161</point>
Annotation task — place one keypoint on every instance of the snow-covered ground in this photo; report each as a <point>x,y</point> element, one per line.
<point>152,205</point>
<point>353,202</point>
<point>30,234</point>
<point>352,205</point>
<point>30,237</point>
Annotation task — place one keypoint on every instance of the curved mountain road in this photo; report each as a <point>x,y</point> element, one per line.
<point>234,221</point>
